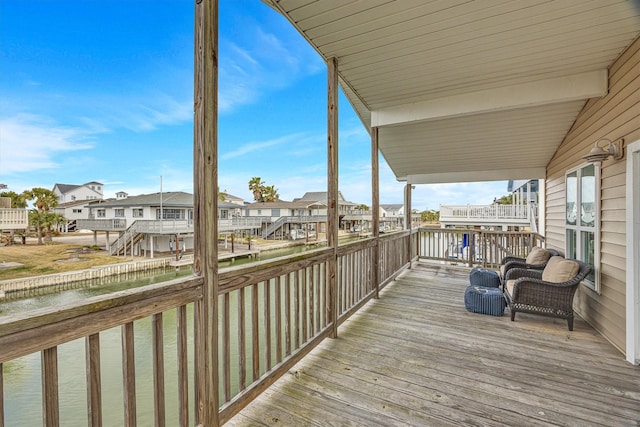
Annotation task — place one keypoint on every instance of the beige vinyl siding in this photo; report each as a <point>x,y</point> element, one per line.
<point>616,115</point>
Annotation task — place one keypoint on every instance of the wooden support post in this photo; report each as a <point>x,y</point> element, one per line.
<point>332,190</point>
<point>375,207</point>
<point>407,218</point>
<point>205,199</point>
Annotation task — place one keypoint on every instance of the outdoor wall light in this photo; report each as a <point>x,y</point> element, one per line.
<point>599,154</point>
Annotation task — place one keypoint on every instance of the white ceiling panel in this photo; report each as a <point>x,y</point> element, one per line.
<point>400,55</point>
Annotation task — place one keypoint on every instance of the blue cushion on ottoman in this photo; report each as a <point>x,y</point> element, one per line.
<point>485,300</point>
<point>482,277</point>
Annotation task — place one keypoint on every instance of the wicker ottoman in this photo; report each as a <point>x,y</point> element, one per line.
<point>484,300</point>
<point>482,277</point>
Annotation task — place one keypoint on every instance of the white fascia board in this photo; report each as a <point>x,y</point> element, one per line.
<point>591,84</point>
<point>475,176</point>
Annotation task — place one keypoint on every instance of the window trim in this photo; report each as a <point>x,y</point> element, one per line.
<point>597,168</point>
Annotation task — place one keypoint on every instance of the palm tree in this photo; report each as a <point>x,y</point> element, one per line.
<point>256,186</point>
<point>270,193</point>
<point>44,201</point>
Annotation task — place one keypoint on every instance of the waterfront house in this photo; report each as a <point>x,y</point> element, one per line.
<point>156,223</point>
<point>450,92</point>
<point>71,192</point>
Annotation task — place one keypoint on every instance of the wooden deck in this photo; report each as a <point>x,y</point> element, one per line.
<point>417,357</point>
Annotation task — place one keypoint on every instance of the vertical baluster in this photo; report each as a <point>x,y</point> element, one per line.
<point>304,302</point>
<point>183,371</point>
<point>1,398</point>
<point>242,346</point>
<point>158,370</point>
<point>94,388</point>
<point>50,407</point>
<point>296,304</point>
<point>287,319</point>
<point>129,375</point>
<point>312,311</point>
<point>255,340</point>
<point>279,320</point>
<point>318,308</point>
<point>226,336</point>
<point>267,323</point>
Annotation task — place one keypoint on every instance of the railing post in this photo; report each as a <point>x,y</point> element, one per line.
<point>205,200</point>
<point>332,193</point>
<point>375,208</point>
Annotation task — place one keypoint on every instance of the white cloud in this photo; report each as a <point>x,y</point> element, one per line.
<point>252,147</point>
<point>31,142</point>
<point>251,72</point>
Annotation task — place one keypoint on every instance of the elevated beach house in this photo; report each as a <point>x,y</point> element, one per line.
<point>449,92</point>
<point>159,222</point>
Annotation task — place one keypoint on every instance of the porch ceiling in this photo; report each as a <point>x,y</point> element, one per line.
<point>468,90</point>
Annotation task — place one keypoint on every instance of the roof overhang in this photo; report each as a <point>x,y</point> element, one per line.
<point>468,91</point>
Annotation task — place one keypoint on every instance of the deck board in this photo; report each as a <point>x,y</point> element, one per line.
<point>417,357</point>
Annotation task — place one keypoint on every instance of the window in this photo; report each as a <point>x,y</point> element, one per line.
<point>275,212</point>
<point>583,219</point>
<point>77,211</point>
<point>138,212</point>
<point>73,198</point>
<point>170,213</point>
<point>102,213</point>
<point>119,213</point>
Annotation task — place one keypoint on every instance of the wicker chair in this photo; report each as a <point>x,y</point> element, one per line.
<point>526,292</point>
<point>510,262</point>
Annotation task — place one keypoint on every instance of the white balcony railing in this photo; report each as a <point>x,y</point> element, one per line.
<point>487,213</point>
<point>14,219</point>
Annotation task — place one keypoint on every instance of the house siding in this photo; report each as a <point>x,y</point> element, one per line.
<point>614,116</point>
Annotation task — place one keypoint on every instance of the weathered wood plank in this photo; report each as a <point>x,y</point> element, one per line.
<point>94,387</point>
<point>183,366</point>
<point>416,356</point>
<point>129,375</point>
<point>50,405</point>
<point>158,370</point>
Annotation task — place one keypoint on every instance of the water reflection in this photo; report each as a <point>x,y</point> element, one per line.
<point>22,381</point>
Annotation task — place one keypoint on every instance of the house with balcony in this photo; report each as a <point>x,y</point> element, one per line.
<point>73,192</point>
<point>154,223</point>
<point>449,92</point>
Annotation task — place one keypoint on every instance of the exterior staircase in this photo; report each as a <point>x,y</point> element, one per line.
<point>130,236</point>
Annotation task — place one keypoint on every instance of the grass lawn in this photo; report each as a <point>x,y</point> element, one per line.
<point>51,258</point>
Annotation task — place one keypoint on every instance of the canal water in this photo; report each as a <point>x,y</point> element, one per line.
<point>22,381</point>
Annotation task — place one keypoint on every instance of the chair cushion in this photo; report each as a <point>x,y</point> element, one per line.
<point>560,270</point>
<point>538,256</point>
<point>510,285</point>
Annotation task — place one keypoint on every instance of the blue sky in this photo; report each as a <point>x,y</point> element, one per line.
<point>102,91</point>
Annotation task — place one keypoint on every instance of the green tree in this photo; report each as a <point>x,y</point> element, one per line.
<point>39,217</point>
<point>255,186</point>
<point>362,207</point>
<point>270,193</point>
<point>430,216</point>
<point>18,201</point>
<point>262,192</point>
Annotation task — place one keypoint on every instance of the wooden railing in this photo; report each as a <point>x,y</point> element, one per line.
<point>45,330</point>
<point>113,224</point>
<point>271,313</point>
<point>14,219</point>
<point>475,247</point>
